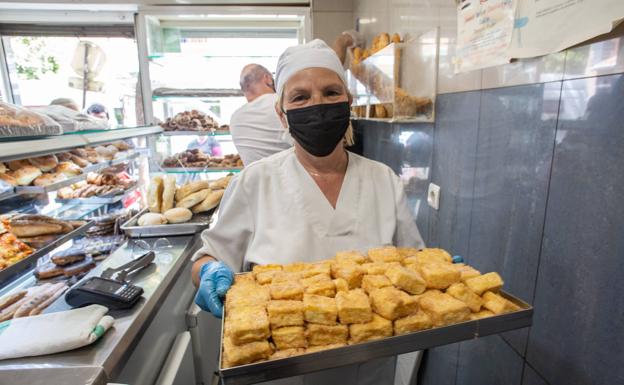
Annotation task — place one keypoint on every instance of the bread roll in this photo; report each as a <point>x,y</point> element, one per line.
<point>45,163</point>
<point>25,175</point>
<point>48,179</point>
<point>64,156</point>
<point>221,183</point>
<point>8,179</point>
<point>151,219</point>
<point>81,152</point>
<point>190,188</point>
<point>69,169</point>
<point>15,165</point>
<point>169,191</point>
<point>154,194</point>
<point>112,149</point>
<point>121,145</point>
<point>178,215</point>
<point>193,199</point>
<point>3,168</point>
<point>80,162</point>
<point>105,152</point>
<point>211,201</point>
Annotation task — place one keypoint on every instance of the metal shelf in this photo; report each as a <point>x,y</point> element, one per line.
<point>31,147</point>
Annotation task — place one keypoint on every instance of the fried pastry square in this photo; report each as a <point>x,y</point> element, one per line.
<point>286,276</point>
<point>289,337</point>
<point>377,328</point>
<point>263,268</point>
<point>486,282</point>
<point>406,279</point>
<point>323,267</point>
<point>266,277</point>
<point>434,255</point>
<point>319,309</point>
<point>481,314</point>
<point>235,355</point>
<point>412,323</point>
<point>374,282</point>
<point>444,309</point>
<point>378,268</point>
<point>242,278</point>
<point>320,348</point>
<point>247,324</point>
<point>319,284</point>
<point>287,290</point>
<point>318,335</point>
<point>341,285</point>
<point>384,254</point>
<point>467,296</point>
<point>287,353</point>
<point>246,294</point>
<point>392,303</point>
<point>285,313</point>
<point>468,272</point>
<point>353,307</point>
<point>350,272</point>
<point>295,267</point>
<point>350,256</point>
<point>439,275</point>
<point>498,304</point>
<point>406,252</point>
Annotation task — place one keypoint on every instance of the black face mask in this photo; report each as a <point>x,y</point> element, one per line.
<point>319,128</point>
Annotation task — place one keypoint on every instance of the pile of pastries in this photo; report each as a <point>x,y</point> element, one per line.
<point>38,230</point>
<point>30,302</point>
<point>190,121</point>
<point>97,184</point>
<point>169,203</point>
<point>280,311</point>
<point>12,250</point>
<point>48,169</point>
<point>197,158</point>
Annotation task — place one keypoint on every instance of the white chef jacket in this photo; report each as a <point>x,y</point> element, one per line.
<point>273,212</point>
<point>257,131</point>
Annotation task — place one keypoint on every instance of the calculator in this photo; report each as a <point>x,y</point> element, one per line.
<point>102,291</point>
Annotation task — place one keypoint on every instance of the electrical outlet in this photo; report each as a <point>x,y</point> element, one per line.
<point>433,196</point>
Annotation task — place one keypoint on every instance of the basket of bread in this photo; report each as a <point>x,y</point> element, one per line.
<point>176,210</point>
<point>392,299</point>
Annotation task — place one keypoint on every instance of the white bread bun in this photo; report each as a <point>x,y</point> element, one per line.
<point>104,153</point>
<point>68,168</point>
<point>45,163</point>
<point>221,183</point>
<point>15,165</point>
<point>169,191</point>
<point>212,200</point>
<point>154,194</point>
<point>178,215</point>
<point>25,175</point>
<point>48,179</point>
<point>190,188</point>
<point>152,219</point>
<point>193,199</point>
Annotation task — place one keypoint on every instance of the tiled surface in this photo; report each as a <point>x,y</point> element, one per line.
<point>526,71</point>
<point>601,58</point>
<point>488,360</point>
<point>455,137</point>
<point>531,377</point>
<point>439,366</point>
<point>514,152</point>
<point>578,327</point>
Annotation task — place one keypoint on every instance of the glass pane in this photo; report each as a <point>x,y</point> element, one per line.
<point>42,69</point>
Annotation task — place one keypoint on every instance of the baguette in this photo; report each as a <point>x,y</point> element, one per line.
<point>154,194</point>
<point>9,311</point>
<point>39,295</point>
<point>43,305</point>
<point>169,191</point>
<point>193,199</point>
<point>212,200</point>
<point>10,299</point>
<point>190,188</point>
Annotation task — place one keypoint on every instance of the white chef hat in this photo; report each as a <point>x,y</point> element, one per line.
<point>299,57</point>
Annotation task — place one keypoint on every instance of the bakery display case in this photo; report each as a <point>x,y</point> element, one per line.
<point>395,80</point>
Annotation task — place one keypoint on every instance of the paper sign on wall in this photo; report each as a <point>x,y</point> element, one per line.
<point>484,33</point>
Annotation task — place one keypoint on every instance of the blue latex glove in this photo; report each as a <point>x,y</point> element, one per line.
<point>458,259</point>
<point>215,278</point>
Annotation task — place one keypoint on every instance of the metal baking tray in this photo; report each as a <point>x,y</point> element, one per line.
<point>104,200</point>
<point>76,179</point>
<point>352,354</point>
<point>197,224</point>
<point>30,262</point>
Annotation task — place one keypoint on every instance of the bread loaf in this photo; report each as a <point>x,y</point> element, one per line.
<point>8,179</point>
<point>178,215</point>
<point>221,183</point>
<point>154,194</point>
<point>80,162</point>
<point>48,179</point>
<point>190,188</point>
<point>45,163</point>
<point>169,191</point>
<point>211,201</point>
<point>15,165</point>
<point>151,219</point>
<point>193,199</point>
<point>68,168</point>
<point>26,174</point>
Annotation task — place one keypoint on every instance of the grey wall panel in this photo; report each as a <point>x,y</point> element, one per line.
<point>439,366</point>
<point>489,360</point>
<point>531,377</point>
<point>455,143</point>
<point>514,153</point>
<point>578,329</point>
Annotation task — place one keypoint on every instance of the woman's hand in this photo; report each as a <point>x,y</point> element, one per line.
<point>215,278</point>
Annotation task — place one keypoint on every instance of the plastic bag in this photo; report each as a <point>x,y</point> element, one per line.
<point>71,120</point>
<point>18,121</point>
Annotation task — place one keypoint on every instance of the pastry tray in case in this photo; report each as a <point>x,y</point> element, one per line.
<point>197,224</point>
<point>29,262</point>
<point>361,352</point>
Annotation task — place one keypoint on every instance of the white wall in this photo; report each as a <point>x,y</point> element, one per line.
<point>331,17</point>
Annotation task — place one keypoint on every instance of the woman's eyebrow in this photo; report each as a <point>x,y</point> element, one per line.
<point>300,90</point>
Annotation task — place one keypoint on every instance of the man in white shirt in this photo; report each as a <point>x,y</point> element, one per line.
<point>255,127</point>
